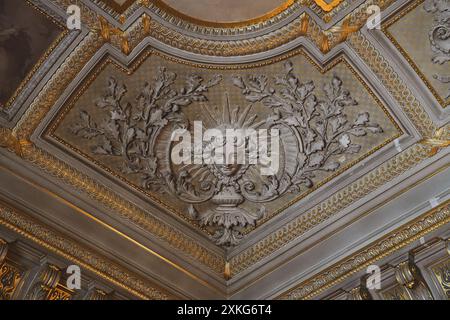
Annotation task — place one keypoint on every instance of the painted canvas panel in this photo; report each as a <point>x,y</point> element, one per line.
<point>25,36</point>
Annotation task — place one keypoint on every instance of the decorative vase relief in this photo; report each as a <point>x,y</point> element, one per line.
<point>316,133</point>
<point>440,36</point>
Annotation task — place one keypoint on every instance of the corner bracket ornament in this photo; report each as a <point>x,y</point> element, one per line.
<point>48,279</point>
<point>438,141</point>
<point>314,134</point>
<point>108,33</point>
<point>408,274</point>
<point>11,142</point>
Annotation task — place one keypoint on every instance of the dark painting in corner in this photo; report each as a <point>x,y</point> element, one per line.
<point>25,35</point>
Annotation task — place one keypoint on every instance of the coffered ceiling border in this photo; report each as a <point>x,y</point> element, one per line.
<point>65,247</point>
<point>390,243</point>
<point>385,28</point>
<point>175,17</point>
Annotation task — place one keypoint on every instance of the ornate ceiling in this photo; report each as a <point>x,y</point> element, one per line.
<point>87,117</point>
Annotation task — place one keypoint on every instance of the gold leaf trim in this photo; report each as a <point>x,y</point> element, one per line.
<point>69,249</point>
<point>383,247</point>
<point>327,7</point>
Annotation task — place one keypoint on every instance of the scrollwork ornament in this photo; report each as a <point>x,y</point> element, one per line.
<point>440,35</point>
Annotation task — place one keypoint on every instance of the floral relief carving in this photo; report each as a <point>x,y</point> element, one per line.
<point>316,133</point>
<point>440,35</point>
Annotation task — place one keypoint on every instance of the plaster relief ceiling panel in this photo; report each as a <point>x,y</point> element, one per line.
<point>329,120</point>
<point>88,152</point>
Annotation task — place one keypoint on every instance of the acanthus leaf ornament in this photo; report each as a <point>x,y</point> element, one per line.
<point>315,133</point>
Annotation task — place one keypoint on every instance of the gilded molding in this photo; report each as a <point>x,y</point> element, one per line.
<point>47,281</point>
<point>3,250</point>
<point>409,275</point>
<point>60,293</point>
<point>321,8</point>
<point>439,140</point>
<point>381,248</point>
<point>393,83</point>
<point>10,279</point>
<point>325,210</point>
<point>247,258</point>
<point>327,6</point>
<point>56,85</point>
<point>325,40</point>
<point>442,274</point>
<point>167,11</point>
<point>65,247</point>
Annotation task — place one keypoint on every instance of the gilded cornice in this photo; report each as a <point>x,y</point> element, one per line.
<point>383,247</point>
<point>74,252</point>
<point>175,17</point>
<point>55,86</point>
